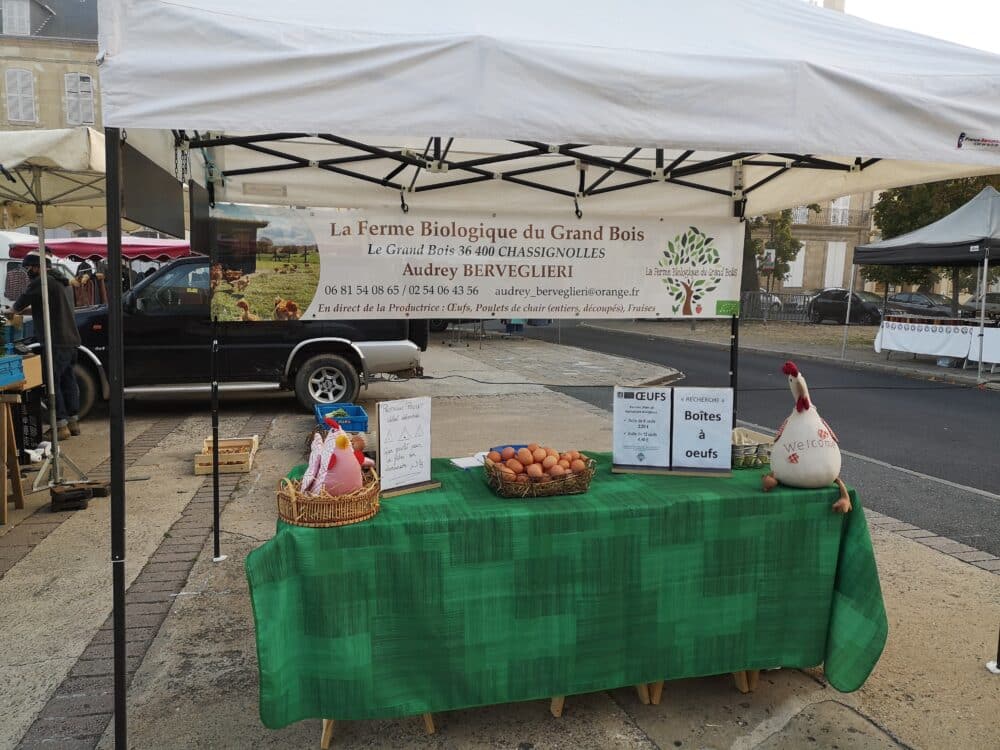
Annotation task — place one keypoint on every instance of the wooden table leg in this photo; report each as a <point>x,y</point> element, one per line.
<point>742,683</point>
<point>557,705</point>
<point>643,690</point>
<point>3,445</point>
<point>327,737</point>
<point>13,465</point>
<point>429,723</point>
<point>656,692</point>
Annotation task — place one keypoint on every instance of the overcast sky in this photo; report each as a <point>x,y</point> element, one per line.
<point>974,23</point>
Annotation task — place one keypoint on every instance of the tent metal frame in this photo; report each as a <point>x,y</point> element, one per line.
<point>566,156</point>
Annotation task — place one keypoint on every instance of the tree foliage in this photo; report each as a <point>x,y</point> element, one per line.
<point>785,244</point>
<point>902,210</point>
<point>693,248</point>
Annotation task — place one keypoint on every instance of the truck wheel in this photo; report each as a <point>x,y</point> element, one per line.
<point>437,325</point>
<point>88,388</point>
<point>326,379</point>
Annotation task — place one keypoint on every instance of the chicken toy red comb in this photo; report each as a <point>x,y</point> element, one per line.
<point>790,369</point>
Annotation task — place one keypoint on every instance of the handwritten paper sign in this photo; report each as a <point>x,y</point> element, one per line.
<point>642,427</point>
<point>702,431</point>
<point>404,449</point>
<point>673,430</point>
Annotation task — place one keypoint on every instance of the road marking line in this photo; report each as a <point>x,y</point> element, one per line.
<point>946,482</point>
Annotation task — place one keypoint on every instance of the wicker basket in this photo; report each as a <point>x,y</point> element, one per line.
<point>571,484</point>
<point>323,510</point>
<point>752,450</point>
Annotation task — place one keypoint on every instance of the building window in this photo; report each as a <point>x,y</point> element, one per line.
<point>840,211</point>
<point>17,17</point>
<point>796,268</point>
<point>836,254</point>
<point>20,86</point>
<point>800,215</point>
<point>79,99</point>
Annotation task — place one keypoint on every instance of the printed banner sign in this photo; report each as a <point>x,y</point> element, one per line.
<point>287,264</point>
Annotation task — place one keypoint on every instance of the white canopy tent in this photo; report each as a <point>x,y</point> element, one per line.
<point>715,108</point>
<point>776,103</point>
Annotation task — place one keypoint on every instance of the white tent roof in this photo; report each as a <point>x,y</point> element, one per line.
<point>767,81</point>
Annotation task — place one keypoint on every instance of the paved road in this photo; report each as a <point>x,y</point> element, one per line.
<point>895,429</point>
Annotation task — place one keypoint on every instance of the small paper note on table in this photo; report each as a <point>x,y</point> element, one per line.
<point>404,448</point>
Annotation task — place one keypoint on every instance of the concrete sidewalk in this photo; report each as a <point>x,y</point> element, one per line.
<point>191,630</point>
<point>815,341</point>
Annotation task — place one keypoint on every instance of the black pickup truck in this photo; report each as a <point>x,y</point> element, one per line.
<point>168,338</point>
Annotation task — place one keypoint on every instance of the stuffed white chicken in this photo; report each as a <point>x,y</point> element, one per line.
<point>805,452</point>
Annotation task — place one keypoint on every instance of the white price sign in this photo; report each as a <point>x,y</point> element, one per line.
<point>404,443</point>
<point>642,427</point>
<point>702,429</point>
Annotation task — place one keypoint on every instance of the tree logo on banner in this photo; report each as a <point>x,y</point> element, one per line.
<point>690,258</point>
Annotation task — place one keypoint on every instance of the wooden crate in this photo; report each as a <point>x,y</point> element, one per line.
<point>235,456</point>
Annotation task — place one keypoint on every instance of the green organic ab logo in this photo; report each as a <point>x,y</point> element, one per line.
<point>688,255</point>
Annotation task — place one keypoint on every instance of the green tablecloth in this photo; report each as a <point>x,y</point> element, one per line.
<point>454,597</point>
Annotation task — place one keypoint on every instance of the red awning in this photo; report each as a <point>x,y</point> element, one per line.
<point>96,248</point>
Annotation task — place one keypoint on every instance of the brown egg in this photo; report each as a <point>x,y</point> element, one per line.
<point>506,474</point>
<point>534,471</point>
<point>507,452</point>
<point>556,471</point>
<point>564,463</point>
<point>539,455</point>
<point>525,457</point>
<point>514,465</point>
<point>532,447</point>
<point>552,452</point>
<point>493,456</point>
<point>549,461</point>
<point>577,466</point>
<point>573,455</point>
<point>565,457</point>
<point>523,478</point>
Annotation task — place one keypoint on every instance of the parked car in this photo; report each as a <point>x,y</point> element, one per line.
<point>831,304</point>
<point>922,303</point>
<point>972,306</point>
<point>167,332</point>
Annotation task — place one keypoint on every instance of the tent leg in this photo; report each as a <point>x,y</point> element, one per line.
<point>734,359</point>
<point>847,316</point>
<point>116,406</point>
<point>982,311</point>
<point>218,556</point>
<point>36,175</point>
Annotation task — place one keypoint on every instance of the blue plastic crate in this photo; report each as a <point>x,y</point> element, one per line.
<point>355,421</point>
<point>11,369</point>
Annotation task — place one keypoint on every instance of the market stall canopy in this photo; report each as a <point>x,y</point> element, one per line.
<point>959,239</point>
<point>70,165</point>
<point>96,248</point>
<point>635,107</point>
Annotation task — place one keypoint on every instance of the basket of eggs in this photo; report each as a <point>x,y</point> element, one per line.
<point>537,471</point>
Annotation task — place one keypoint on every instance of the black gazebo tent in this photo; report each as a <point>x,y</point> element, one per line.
<point>962,238</point>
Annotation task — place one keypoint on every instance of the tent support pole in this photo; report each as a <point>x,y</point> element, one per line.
<point>982,310</point>
<point>36,179</point>
<point>847,315</point>
<point>217,556</point>
<point>116,406</point>
<point>734,359</point>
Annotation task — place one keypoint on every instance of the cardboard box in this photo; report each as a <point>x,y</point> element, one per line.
<point>32,365</point>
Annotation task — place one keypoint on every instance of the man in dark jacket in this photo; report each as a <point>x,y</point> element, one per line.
<point>65,340</point>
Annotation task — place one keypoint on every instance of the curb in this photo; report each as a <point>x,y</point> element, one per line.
<point>966,380</point>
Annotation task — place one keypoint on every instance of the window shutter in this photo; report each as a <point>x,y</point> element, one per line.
<point>26,89</point>
<point>16,17</point>
<point>13,96</point>
<point>79,99</point>
<point>86,100</point>
<point>72,98</point>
